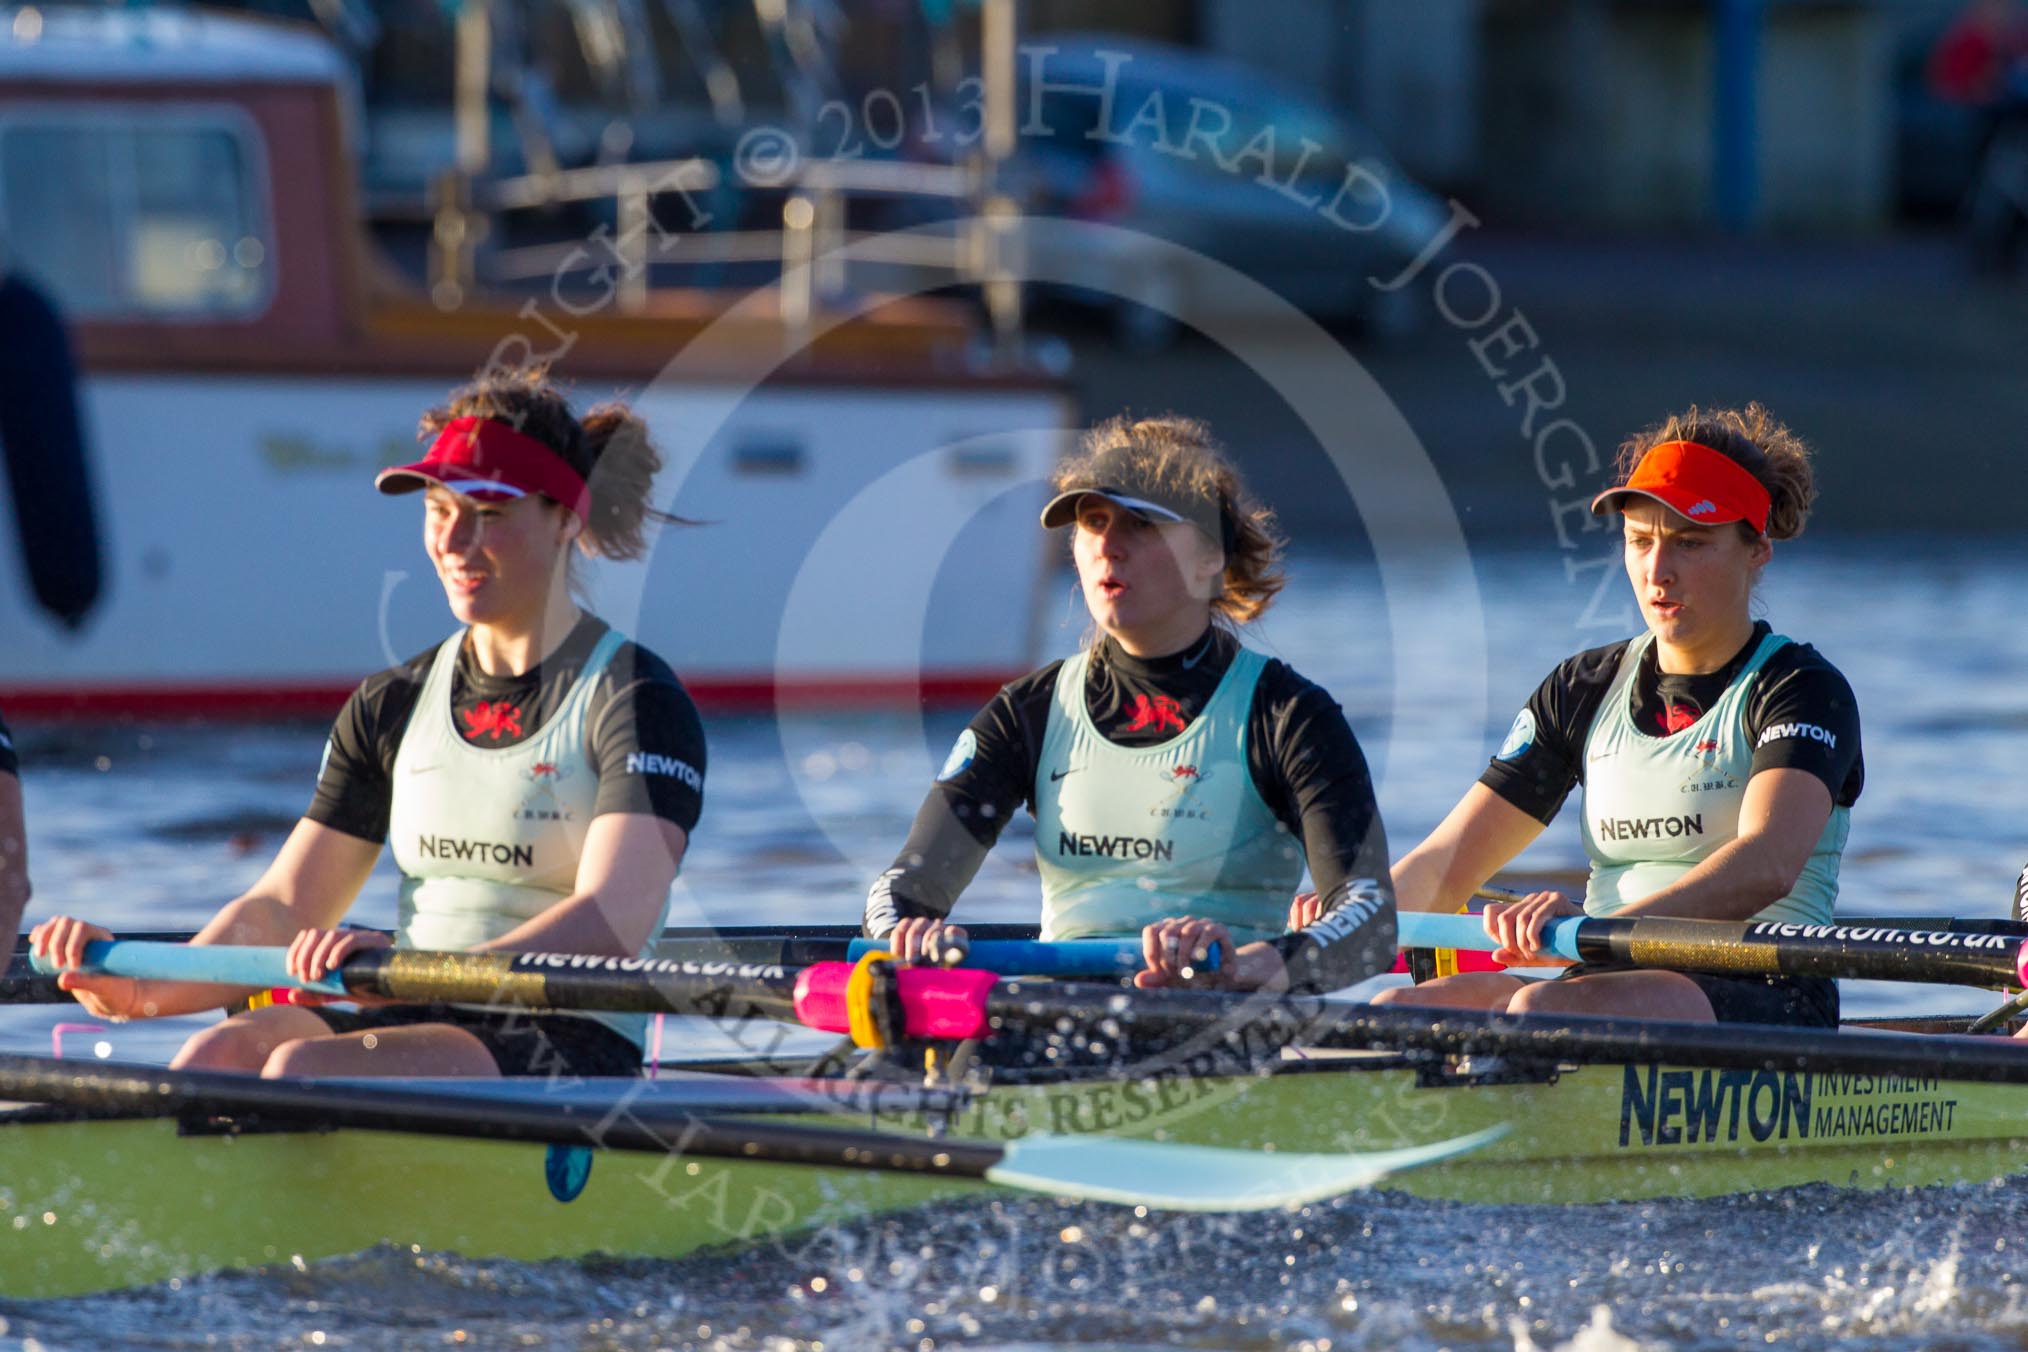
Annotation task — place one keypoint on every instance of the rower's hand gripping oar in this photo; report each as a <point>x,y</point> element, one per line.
<point>1426,962</point>
<point>1755,947</point>
<point>1061,957</point>
<point>2015,1005</point>
<point>30,981</point>
<point>878,1002</point>
<point>1055,957</point>
<point>377,971</point>
<point>958,1004</point>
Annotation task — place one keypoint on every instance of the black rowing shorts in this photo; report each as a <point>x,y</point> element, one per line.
<point>520,1042</point>
<point>1800,1001</point>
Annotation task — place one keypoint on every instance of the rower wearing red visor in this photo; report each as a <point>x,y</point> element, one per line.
<point>1718,759</point>
<point>536,774</point>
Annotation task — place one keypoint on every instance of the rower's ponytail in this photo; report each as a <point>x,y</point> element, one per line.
<point>622,465</point>
<point>1757,442</point>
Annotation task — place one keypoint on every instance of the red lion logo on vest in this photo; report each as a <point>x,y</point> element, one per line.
<point>1159,712</point>
<point>493,720</point>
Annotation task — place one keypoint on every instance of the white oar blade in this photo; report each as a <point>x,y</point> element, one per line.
<point>1205,1178</point>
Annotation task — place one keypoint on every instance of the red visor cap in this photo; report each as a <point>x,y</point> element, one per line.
<point>1697,483</point>
<point>488,460</point>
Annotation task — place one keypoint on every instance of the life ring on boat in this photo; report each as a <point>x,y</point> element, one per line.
<point>42,441</point>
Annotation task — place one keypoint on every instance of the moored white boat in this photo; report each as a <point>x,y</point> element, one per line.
<point>181,185</point>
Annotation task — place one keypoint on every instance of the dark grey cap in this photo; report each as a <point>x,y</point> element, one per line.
<point>1115,483</point>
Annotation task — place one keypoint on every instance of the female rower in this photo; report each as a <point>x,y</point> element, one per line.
<point>1719,760</point>
<point>537,774</point>
<point>13,841</point>
<point>1179,780</point>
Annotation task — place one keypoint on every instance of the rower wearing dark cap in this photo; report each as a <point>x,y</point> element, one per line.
<point>1719,760</point>
<point>536,774</point>
<point>1179,780</point>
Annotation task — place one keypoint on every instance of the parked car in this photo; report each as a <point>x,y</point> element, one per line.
<point>1149,177</point>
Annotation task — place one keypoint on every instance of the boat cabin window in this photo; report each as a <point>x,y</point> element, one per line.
<point>137,212</point>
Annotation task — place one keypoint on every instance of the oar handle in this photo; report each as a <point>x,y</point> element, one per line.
<point>1061,957</point>
<point>241,965</point>
<point>219,964</point>
<point>1428,929</point>
<point>571,981</point>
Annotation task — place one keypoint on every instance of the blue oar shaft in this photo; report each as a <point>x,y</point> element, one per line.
<point>236,965</point>
<point>219,964</point>
<point>561,981</point>
<point>1428,929</point>
<point>528,980</point>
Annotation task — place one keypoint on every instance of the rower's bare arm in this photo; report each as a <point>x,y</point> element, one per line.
<point>13,859</point>
<point>1481,836</point>
<point>310,885</point>
<point>629,861</point>
<point>1781,817</point>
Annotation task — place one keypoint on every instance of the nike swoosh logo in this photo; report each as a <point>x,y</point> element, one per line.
<point>1055,775</point>
<point>421,769</point>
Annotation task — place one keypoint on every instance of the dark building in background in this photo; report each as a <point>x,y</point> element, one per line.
<point>1665,114</point>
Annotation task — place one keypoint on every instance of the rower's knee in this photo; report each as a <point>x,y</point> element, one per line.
<point>231,1045</point>
<point>300,1057</point>
<point>220,1048</point>
<point>1575,995</point>
<point>1428,994</point>
<point>1466,990</point>
<point>1635,995</point>
<point>245,1041</point>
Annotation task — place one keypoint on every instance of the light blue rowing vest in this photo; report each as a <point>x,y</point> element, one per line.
<point>1654,807</point>
<point>488,838</point>
<point>1126,836</point>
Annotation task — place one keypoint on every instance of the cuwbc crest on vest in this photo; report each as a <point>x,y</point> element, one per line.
<point>489,837</point>
<point>1655,807</point>
<point>1126,836</point>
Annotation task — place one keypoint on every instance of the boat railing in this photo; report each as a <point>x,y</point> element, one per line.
<point>980,251</point>
<point>808,247</point>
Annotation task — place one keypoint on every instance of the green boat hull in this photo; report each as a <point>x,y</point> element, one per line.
<point>100,1204</point>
